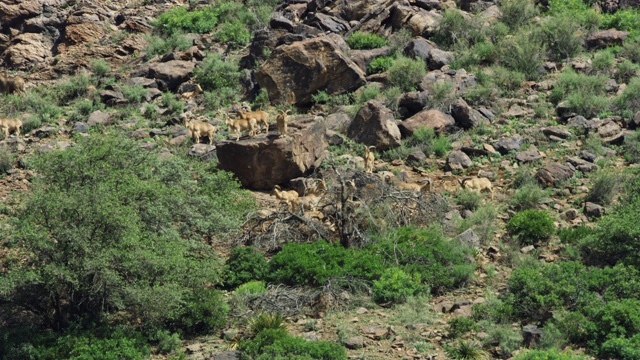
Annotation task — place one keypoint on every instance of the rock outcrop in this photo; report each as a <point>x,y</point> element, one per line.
<point>374,125</point>
<point>293,73</point>
<point>262,162</point>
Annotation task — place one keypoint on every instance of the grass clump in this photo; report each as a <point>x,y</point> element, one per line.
<point>629,100</point>
<point>278,344</point>
<point>423,139</point>
<point>632,147</point>
<point>454,29</point>
<point>528,196</point>
<point>604,187</point>
<point>395,286</point>
<point>523,53</point>
<point>380,64</point>
<point>180,19</point>
<point>517,13</point>
<point>360,40</point>
<point>561,36</point>
<point>626,71</point>
<point>585,94</point>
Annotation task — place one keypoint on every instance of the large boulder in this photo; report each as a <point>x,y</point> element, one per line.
<point>430,118</point>
<point>374,125</point>
<point>293,73</point>
<point>172,73</point>
<point>263,162</point>
<point>28,50</point>
<point>553,174</point>
<point>465,116</point>
<point>428,51</point>
<point>605,38</point>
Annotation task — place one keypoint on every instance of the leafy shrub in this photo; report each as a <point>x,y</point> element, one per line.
<point>6,162</point>
<point>460,325</point>
<point>203,312</point>
<point>531,226</point>
<point>277,344</point>
<point>575,9</point>
<point>604,187</point>
<point>173,104</point>
<point>493,310</point>
<point>483,223</point>
<point>121,218</point>
<point>405,73</point>
<point>561,37</point>
<point>134,93</point>
<point>585,94</point>
<point>626,71</point>
<point>251,288</point>
<point>504,339</point>
<point>162,45</point>
<point>629,99</point>
<point>523,53</point>
<point>75,87</point>
<point>366,93</point>
<point>244,264</point>
<point>360,40</point>
<point>455,29</point>
<point>442,93</point>
<point>621,348</point>
<point>517,13</point>
<point>573,235</point>
<point>623,19</point>
<point>167,342</point>
<point>99,67</point>
<point>234,33</point>
<point>380,64</point>
<point>442,264</point>
<point>632,147</point>
<point>314,264</point>
<point>603,61</point>
<point>423,139</point>
<point>468,199</point>
<point>631,49</point>
<point>213,73</point>
<point>528,196</point>
<point>395,286</point>
<point>552,354</point>
<point>179,19</point>
<point>31,123</point>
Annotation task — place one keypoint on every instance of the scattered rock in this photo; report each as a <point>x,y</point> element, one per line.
<point>203,151</point>
<point>570,215</point>
<point>172,73</point>
<point>412,102</point>
<point>528,156</point>
<point>98,118</point>
<point>582,165</point>
<point>457,160</point>
<point>470,239</point>
<point>527,249</point>
<point>374,125</point>
<point>465,116</point>
<point>554,173</point>
<point>431,118</point>
<point>80,127</point>
<point>505,145</point>
<point>354,342</point>
<point>593,210</point>
<point>605,38</point>
<point>531,335</point>
<point>417,156</point>
<point>557,132</point>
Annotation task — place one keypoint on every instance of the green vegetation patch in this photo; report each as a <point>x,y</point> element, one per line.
<point>360,40</point>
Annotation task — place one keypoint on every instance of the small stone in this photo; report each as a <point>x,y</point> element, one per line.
<point>527,249</point>
<point>354,342</point>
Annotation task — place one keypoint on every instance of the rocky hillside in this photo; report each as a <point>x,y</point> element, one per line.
<point>455,180</point>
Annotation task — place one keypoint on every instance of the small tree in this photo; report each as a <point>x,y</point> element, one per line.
<point>110,227</point>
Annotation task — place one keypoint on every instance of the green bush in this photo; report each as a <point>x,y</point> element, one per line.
<point>523,53</point>
<point>251,288</point>
<point>629,99</point>
<point>468,199</point>
<point>604,186</point>
<point>579,10</point>
<point>395,286</point>
<point>423,139</point>
<point>528,196</point>
<point>631,147</point>
<point>380,64</point>
<point>561,37</point>
<point>265,321</point>
<point>360,40</point>
<point>552,354</point>
<point>110,229</point>
<point>31,123</point>
<point>442,264</point>
<point>277,344</point>
<point>244,264</point>
<point>573,235</point>
<point>314,264</point>
<point>460,325</point>
<point>157,45</point>
<point>6,162</point>
<point>531,226</point>
<point>503,339</point>
<point>454,29</point>
<point>481,53</point>
<point>167,342</point>
<point>603,62</point>
<point>368,92</point>
<point>406,73</point>
<point>172,102</point>
<point>134,93</point>
<point>72,89</point>
<point>465,350</point>
<point>100,67</point>
<point>585,94</point>
<point>621,348</point>
<point>203,311</point>
<point>517,13</point>
<point>626,71</point>
<point>623,19</point>
<point>483,223</point>
<point>234,33</point>
<point>213,73</point>
<point>631,49</point>
<point>179,19</point>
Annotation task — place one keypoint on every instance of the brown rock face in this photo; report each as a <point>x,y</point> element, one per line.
<point>295,72</point>
<point>173,72</point>
<point>604,38</point>
<point>552,174</point>
<point>263,162</point>
<point>431,118</point>
<point>28,49</point>
<point>374,125</point>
